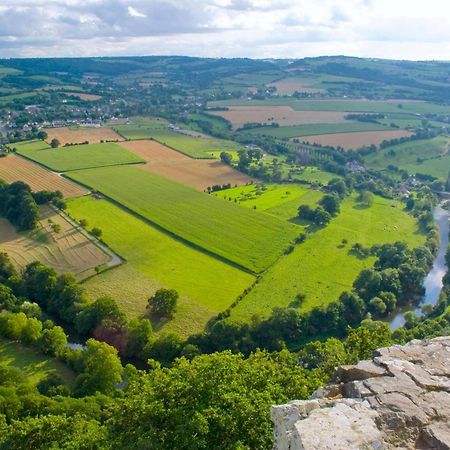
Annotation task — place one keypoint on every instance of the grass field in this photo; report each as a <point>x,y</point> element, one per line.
<point>140,127</point>
<point>154,259</point>
<point>321,268</point>
<point>33,365</point>
<point>69,250</point>
<point>83,96</point>
<point>248,238</point>
<point>357,139</point>
<point>315,129</point>
<point>310,174</point>
<point>429,157</point>
<point>79,135</point>
<point>14,168</point>
<point>370,106</point>
<point>76,157</point>
<point>281,200</point>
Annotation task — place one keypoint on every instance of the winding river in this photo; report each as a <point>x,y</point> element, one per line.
<point>433,281</point>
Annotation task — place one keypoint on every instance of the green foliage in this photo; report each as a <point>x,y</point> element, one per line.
<point>163,303</point>
<point>103,369</point>
<point>221,399</point>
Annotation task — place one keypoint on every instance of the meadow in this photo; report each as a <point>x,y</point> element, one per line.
<point>34,366</point>
<point>140,127</point>
<point>281,200</point>
<point>68,250</point>
<point>315,129</point>
<point>154,259</point>
<point>429,157</point>
<point>321,268</point>
<point>14,168</point>
<point>308,174</point>
<point>248,238</point>
<point>63,159</point>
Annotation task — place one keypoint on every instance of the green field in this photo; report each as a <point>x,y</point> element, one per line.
<point>19,96</point>
<point>309,174</point>
<point>33,365</point>
<point>281,200</point>
<point>76,157</point>
<point>431,157</point>
<point>317,128</point>
<point>140,127</point>
<point>248,238</point>
<point>321,268</point>
<point>154,259</point>
<point>370,106</point>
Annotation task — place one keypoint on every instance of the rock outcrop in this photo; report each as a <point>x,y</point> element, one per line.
<point>398,400</point>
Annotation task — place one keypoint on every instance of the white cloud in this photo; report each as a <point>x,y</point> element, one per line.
<point>256,28</point>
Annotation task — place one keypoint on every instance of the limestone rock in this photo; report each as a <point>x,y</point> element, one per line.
<point>399,400</point>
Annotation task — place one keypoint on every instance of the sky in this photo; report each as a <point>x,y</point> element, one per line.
<point>397,29</point>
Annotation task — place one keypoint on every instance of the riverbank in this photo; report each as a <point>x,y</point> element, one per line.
<point>433,281</point>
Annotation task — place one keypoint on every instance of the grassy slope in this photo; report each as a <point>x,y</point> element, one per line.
<point>319,128</point>
<point>77,156</point>
<point>280,200</point>
<point>248,238</point>
<point>35,366</point>
<point>321,267</point>
<point>154,259</point>
<point>407,154</point>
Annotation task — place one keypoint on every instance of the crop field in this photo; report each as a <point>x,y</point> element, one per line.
<point>67,251</point>
<point>80,135</point>
<point>75,157</point>
<point>281,200</point>
<point>197,173</point>
<point>154,259</point>
<point>283,115</point>
<point>195,147</point>
<point>287,86</point>
<point>14,168</point>
<point>298,131</point>
<point>357,139</point>
<point>321,268</point>
<point>248,238</point>
<point>153,151</point>
<point>431,157</point>
<point>34,366</point>
<point>369,106</point>
<point>83,96</point>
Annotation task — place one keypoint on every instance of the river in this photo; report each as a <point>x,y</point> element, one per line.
<point>433,281</point>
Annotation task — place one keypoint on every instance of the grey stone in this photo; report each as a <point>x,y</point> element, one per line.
<point>398,400</point>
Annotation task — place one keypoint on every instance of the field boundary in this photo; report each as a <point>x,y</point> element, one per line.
<point>169,233</point>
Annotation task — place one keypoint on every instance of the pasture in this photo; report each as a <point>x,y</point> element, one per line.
<point>353,141</point>
<point>281,200</point>
<point>429,157</point>
<point>80,135</point>
<point>85,156</point>
<point>309,174</point>
<point>288,86</point>
<point>322,268</point>
<point>299,131</point>
<point>14,168</point>
<point>34,366</point>
<point>69,250</point>
<point>247,238</point>
<point>154,259</point>
<point>140,127</point>
<point>283,115</point>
